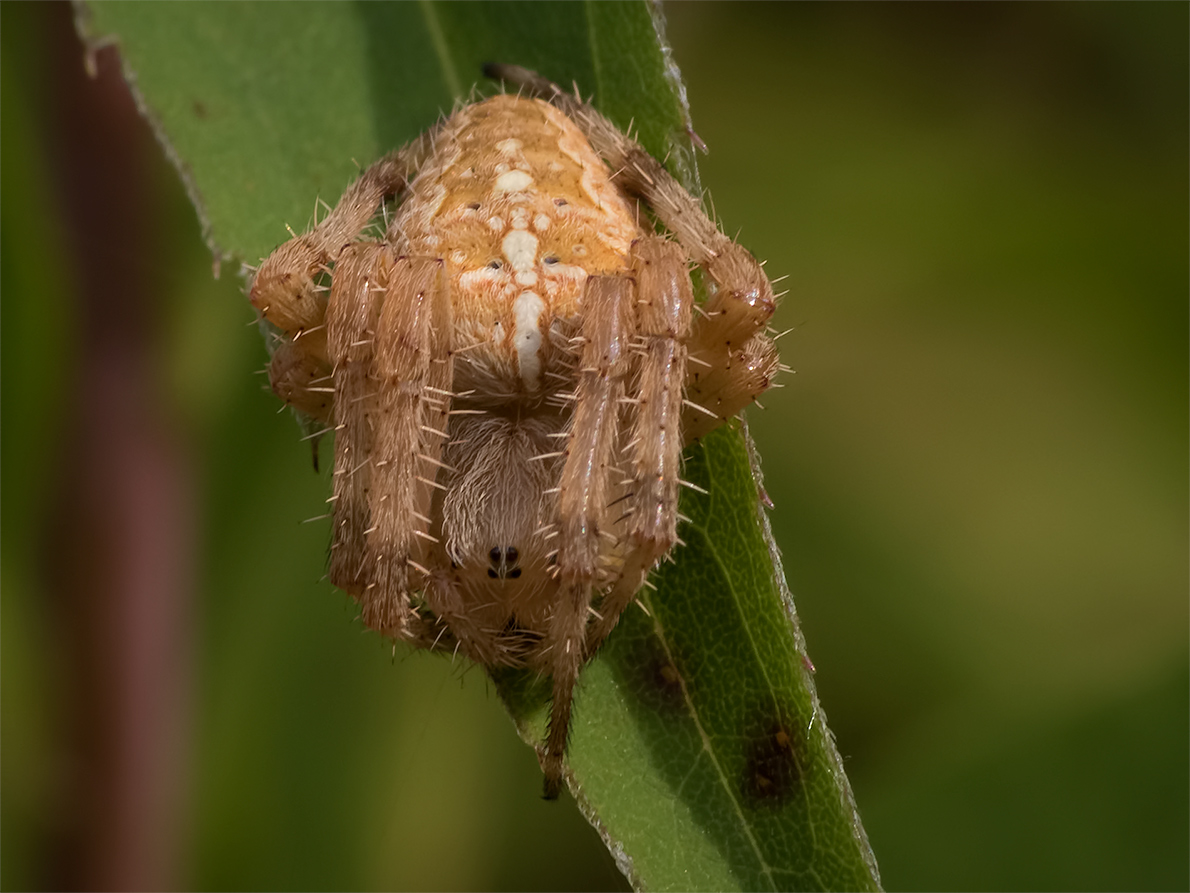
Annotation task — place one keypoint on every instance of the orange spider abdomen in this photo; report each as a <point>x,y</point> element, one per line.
<point>522,210</point>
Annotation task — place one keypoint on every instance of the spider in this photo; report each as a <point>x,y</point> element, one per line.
<point>511,372</point>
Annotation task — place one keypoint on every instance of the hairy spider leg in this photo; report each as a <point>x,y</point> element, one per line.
<point>285,292</point>
<point>728,370</point>
<point>352,319</point>
<point>302,378</point>
<point>583,494</point>
<point>412,373</point>
<point>654,451</point>
<point>663,310</point>
<point>283,289</point>
<point>731,360</point>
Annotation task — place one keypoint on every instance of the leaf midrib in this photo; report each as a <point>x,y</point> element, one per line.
<point>441,49</point>
<point>765,868</point>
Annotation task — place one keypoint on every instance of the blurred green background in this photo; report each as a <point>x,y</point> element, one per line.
<point>979,471</point>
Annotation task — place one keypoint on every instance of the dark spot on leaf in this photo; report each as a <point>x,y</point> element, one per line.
<point>200,110</point>
<point>772,773</point>
<point>654,676</point>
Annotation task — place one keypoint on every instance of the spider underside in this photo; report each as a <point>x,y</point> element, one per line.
<point>511,373</point>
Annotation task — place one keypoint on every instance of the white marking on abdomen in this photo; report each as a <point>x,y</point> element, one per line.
<point>470,279</point>
<point>526,336</point>
<point>513,181</point>
<point>520,247</point>
<point>508,146</point>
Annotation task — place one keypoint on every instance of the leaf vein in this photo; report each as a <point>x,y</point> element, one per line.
<point>593,45</point>
<point>765,868</point>
<point>441,50</point>
<point>735,598</point>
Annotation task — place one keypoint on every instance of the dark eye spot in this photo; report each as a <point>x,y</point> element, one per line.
<point>494,265</point>
<point>514,573</point>
<point>511,554</point>
<point>491,573</point>
<point>560,202</point>
<point>494,555</point>
<point>474,206</point>
<point>550,259</point>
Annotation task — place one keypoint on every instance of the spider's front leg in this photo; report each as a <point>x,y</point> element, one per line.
<point>583,496</point>
<point>731,359</point>
<point>389,325</point>
<point>353,313</point>
<point>654,452</point>
<point>285,292</point>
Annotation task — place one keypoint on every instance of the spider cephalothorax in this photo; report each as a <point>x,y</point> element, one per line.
<point>511,373</point>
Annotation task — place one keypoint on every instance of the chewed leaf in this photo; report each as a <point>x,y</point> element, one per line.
<point>698,748</point>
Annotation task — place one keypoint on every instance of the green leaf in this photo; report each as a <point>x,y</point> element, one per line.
<point>699,750</point>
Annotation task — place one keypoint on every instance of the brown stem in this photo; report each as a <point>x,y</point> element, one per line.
<point>119,546</point>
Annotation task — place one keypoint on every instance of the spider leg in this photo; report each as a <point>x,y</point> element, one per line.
<point>302,378</point>
<point>388,325</point>
<point>583,496</point>
<point>729,344</point>
<point>352,317</point>
<point>663,310</point>
<point>283,289</point>
<point>724,375</point>
<point>412,372</point>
